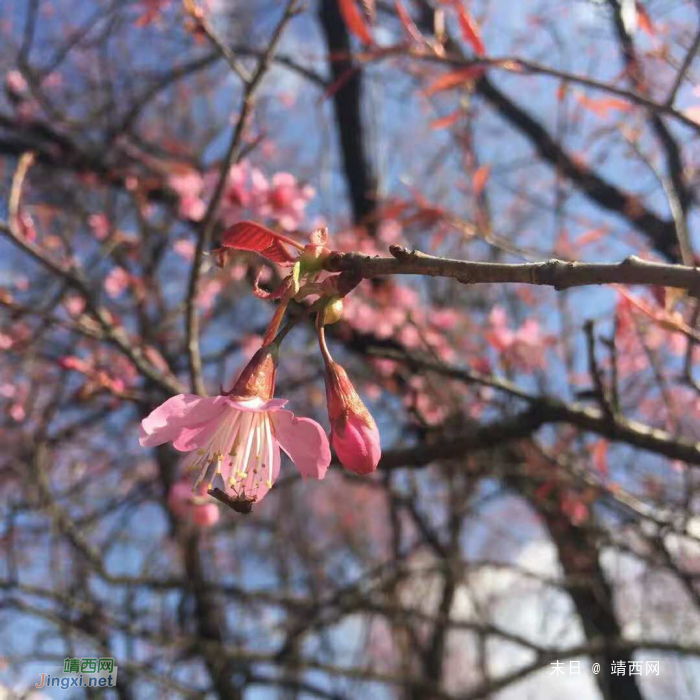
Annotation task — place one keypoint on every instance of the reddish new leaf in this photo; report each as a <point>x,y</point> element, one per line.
<point>354,21</point>
<point>277,294</point>
<point>644,21</point>
<point>446,121</point>
<point>409,26</point>
<point>603,105</point>
<point>247,235</point>
<point>600,457</point>
<point>470,30</point>
<point>480,178</point>
<point>455,78</point>
<point>338,83</point>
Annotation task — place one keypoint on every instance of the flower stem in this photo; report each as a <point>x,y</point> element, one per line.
<point>322,344</point>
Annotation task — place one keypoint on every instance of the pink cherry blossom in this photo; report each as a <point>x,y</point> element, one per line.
<point>522,348</point>
<point>241,437</point>
<point>286,200</point>
<point>16,83</point>
<point>239,190</point>
<point>99,224</point>
<point>184,248</point>
<point>240,433</point>
<point>17,412</point>
<point>198,509</point>
<point>7,390</point>
<point>209,292</point>
<point>116,282</point>
<point>189,185</point>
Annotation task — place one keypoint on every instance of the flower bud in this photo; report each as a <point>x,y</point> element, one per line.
<point>332,311</point>
<point>354,434</point>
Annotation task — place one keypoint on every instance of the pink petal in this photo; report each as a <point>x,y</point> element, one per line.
<point>191,437</point>
<point>256,405</point>
<point>205,516</point>
<point>166,422</point>
<point>357,445</point>
<point>305,441</point>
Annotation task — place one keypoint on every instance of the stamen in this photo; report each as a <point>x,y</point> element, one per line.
<point>270,450</point>
<point>243,432</point>
<point>249,445</point>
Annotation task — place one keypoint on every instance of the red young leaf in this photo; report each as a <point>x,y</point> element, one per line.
<point>480,178</point>
<point>603,105</point>
<point>600,457</point>
<point>338,83</point>
<point>644,21</point>
<point>354,21</point>
<point>263,294</point>
<point>409,26</point>
<point>447,120</point>
<point>247,235</point>
<point>470,30</point>
<point>458,77</point>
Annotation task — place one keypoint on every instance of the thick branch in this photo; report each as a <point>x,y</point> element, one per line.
<point>555,273</point>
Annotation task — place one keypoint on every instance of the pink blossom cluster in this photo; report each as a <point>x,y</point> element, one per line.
<point>637,329</point>
<point>112,374</point>
<point>523,348</point>
<point>20,95</point>
<point>248,192</point>
<point>15,395</point>
<point>151,11</point>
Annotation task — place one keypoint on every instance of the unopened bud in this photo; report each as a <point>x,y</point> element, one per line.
<point>332,311</point>
<point>354,434</point>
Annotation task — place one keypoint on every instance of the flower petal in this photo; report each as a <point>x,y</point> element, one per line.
<point>357,444</point>
<point>305,441</point>
<point>166,422</point>
<point>257,488</point>
<point>255,404</point>
<point>192,437</point>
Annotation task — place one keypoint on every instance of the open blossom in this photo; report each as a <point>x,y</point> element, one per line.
<point>239,190</point>
<point>188,185</point>
<point>524,348</point>
<point>15,83</point>
<point>116,282</point>
<point>285,200</point>
<point>240,434</point>
<point>354,434</point>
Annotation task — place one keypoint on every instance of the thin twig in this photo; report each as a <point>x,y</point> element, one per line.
<point>595,371</point>
<point>683,69</point>
<point>209,222</point>
<point>13,206</point>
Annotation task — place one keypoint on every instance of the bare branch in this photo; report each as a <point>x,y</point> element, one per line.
<point>555,273</point>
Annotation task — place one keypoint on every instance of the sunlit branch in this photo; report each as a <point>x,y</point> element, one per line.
<point>554,273</point>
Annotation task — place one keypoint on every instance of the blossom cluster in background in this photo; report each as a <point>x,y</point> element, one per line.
<point>248,193</point>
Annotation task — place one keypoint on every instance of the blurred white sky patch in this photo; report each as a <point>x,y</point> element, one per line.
<point>519,598</point>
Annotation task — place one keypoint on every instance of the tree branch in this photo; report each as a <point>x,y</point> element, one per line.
<point>555,273</point>
<point>209,222</point>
